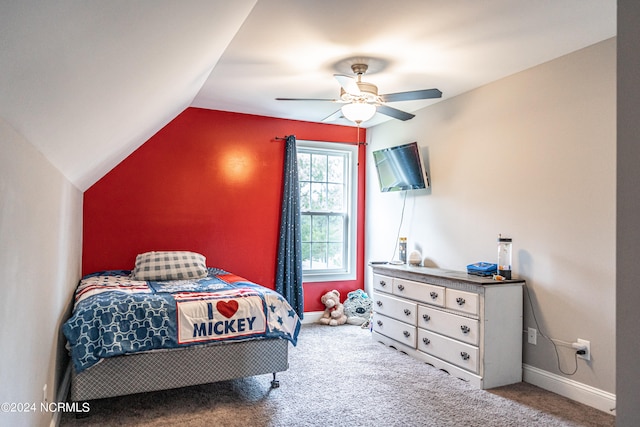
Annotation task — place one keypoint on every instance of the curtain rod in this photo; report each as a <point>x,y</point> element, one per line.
<point>279,138</point>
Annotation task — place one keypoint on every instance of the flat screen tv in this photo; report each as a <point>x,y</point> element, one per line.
<point>400,168</point>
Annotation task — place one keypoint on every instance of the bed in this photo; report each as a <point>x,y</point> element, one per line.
<point>134,331</point>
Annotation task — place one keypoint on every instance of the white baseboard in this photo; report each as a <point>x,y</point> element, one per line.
<point>61,394</point>
<point>571,389</point>
<point>312,316</point>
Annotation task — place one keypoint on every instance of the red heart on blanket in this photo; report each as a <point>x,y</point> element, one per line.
<point>227,308</point>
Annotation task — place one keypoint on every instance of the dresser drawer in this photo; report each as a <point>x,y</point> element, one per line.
<point>395,329</point>
<point>403,310</point>
<point>466,302</point>
<point>382,283</point>
<point>455,352</point>
<point>452,325</point>
<point>423,292</point>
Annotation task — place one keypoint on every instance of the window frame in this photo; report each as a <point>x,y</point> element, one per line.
<point>350,214</point>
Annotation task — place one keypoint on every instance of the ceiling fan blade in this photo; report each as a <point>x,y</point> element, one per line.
<point>411,95</point>
<point>348,83</point>
<point>394,112</point>
<point>308,99</point>
<point>334,116</point>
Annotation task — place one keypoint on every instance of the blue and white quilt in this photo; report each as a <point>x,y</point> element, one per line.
<point>115,315</point>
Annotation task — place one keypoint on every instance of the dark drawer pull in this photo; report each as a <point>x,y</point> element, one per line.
<point>406,334</point>
<point>460,301</point>
<point>426,317</point>
<point>426,341</point>
<point>434,295</point>
<point>379,322</point>
<point>383,283</point>
<point>464,355</point>
<point>407,312</point>
<point>465,329</point>
<point>401,287</point>
<point>379,303</point>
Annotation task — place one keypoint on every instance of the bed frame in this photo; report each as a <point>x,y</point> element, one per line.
<point>180,367</point>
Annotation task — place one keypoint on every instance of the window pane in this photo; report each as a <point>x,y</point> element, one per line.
<point>336,229</point>
<point>305,228</point>
<point>319,260</point>
<point>304,161</point>
<point>305,196</point>
<point>318,168</point>
<point>334,255</point>
<point>336,169</point>
<point>319,228</point>
<point>318,196</point>
<point>306,256</point>
<point>335,197</point>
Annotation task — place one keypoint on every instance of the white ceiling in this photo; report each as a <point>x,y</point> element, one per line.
<point>87,82</point>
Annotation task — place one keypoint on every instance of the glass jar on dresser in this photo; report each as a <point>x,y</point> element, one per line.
<point>467,325</point>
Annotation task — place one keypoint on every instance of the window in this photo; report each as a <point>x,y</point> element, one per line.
<point>327,173</point>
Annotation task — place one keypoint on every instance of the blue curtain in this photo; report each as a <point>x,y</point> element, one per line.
<point>289,268</point>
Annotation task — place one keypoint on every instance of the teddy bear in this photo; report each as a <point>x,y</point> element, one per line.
<point>334,312</point>
<point>357,307</point>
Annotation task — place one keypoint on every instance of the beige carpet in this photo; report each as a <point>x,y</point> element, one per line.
<point>339,376</point>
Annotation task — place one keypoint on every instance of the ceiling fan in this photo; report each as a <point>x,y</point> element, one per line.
<point>361,99</point>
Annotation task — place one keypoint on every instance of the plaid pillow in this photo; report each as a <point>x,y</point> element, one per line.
<point>170,265</point>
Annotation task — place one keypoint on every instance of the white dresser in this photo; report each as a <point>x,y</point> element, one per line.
<point>467,325</point>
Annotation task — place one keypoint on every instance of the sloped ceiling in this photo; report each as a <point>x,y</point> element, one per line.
<point>87,82</point>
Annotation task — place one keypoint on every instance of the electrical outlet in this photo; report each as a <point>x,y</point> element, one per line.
<point>587,354</point>
<point>44,393</point>
<point>532,336</point>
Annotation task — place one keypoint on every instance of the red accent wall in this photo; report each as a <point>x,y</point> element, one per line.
<point>209,182</point>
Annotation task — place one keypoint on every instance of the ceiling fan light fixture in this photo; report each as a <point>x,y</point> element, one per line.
<point>358,112</point>
<point>361,100</point>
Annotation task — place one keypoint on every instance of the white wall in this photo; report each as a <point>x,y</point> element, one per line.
<point>40,256</point>
<point>531,156</point>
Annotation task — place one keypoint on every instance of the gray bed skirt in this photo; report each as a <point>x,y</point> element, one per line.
<point>181,367</point>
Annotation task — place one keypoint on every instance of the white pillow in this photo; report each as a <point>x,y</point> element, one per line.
<point>170,265</point>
